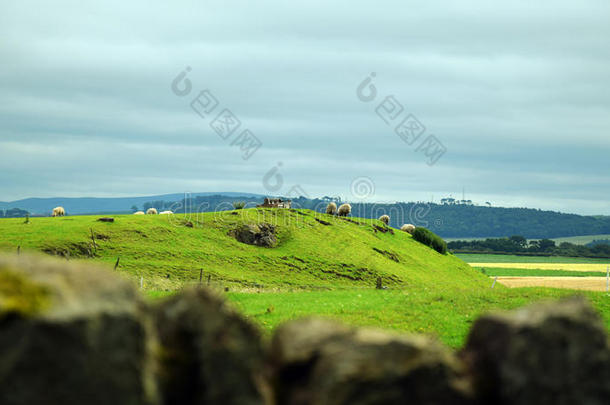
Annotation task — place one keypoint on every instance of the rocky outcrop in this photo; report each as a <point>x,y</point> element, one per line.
<point>259,234</point>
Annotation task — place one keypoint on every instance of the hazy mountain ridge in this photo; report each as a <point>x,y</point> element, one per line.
<point>88,205</point>
<point>450,221</point>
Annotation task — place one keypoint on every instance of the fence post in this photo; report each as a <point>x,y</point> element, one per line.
<point>494,283</point>
<point>93,239</point>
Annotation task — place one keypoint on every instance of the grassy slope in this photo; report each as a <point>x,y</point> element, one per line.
<point>429,293</point>
<point>442,312</point>
<point>309,254</point>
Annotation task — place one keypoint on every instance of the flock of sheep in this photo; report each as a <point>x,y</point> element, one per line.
<point>331,209</point>
<point>345,209</point>
<point>152,211</point>
<point>60,212</point>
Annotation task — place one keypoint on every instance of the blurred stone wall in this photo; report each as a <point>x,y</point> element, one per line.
<point>73,333</point>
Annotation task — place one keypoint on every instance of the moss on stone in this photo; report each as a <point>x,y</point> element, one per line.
<point>19,295</point>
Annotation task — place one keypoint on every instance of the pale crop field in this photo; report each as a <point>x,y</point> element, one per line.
<point>572,283</point>
<point>562,273</point>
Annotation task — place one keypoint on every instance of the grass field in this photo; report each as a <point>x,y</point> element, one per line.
<point>581,240</point>
<point>441,312</point>
<point>535,272</point>
<point>316,268</point>
<point>586,267</point>
<point>553,272</point>
<point>491,258</point>
<point>577,240</point>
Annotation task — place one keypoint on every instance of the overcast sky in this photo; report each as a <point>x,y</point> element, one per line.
<point>518,95</point>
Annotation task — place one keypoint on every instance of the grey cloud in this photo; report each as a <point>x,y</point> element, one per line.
<point>518,93</point>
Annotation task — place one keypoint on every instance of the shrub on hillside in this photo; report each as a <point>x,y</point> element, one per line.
<point>431,239</point>
<point>238,205</point>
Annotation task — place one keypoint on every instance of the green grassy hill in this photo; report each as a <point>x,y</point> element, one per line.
<point>313,250</point>
<point>321,265</point>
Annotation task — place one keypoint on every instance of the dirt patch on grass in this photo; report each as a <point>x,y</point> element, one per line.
<point>573,283</point>
<point>75,249</point>
<point>351,220</point>
<point>383,229</point>
<point>355,273</point>
<point>389,255</point>
<point>139,233</point>
<point>160,229</point>
<point>298,259</point>
<point>346,271</point>
<point>323,222</point>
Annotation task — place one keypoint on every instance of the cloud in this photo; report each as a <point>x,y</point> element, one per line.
<point>517,93</point>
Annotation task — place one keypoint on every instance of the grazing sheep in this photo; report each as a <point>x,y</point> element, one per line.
<point>138,213</point>
<point>151,211</point>
<point>385,219</point>
<point>331,208</point>
<point>408,228</point>
<point>166,213</point>
<point>344,210</point>
<point>58,212</point>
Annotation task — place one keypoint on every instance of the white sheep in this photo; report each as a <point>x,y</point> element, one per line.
<point>344,210</point>
<point>408,228</point>
<point>166,213</point>
<point>385,219</point>
<point>138,213</point>
<point>151,211</point>
<point>331,208</point>
<point>58,212</point>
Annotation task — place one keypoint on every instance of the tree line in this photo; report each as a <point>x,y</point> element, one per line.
<point>14,213</point>
<point>448,221</point>
<point>518,244</point>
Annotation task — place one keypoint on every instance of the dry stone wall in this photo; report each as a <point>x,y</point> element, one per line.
<point>73,333</point>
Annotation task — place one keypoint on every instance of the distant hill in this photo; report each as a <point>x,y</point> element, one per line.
<point>453,221</point>
<point>449,221</point>
<point>312,250</point>
<point>91,205</point>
